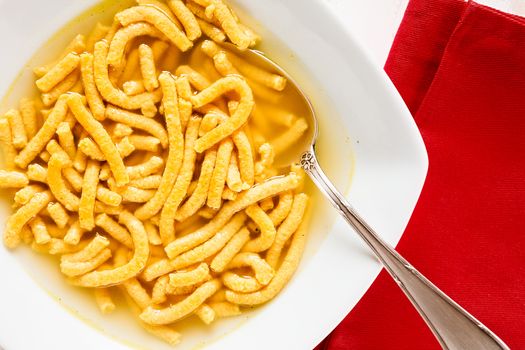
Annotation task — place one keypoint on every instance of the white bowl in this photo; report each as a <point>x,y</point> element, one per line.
<point>368,139</point>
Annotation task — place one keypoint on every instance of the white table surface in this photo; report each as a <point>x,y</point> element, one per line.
<point>374,22</point>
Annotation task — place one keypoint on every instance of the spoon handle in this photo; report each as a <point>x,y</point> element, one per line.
<point>452,325</point>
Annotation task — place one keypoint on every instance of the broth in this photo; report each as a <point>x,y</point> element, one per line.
<point>79,302</point>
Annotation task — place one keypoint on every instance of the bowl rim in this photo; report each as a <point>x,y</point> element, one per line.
<point>42,302</point>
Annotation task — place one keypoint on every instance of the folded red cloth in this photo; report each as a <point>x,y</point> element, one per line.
<point>460,67</point>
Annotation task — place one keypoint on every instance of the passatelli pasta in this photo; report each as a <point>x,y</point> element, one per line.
<point>146,164</point>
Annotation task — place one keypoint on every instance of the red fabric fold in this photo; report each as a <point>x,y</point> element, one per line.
<point>420,42</point>
<point>460,67</point>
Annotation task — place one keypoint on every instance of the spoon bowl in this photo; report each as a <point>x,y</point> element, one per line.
<point>295,96</point>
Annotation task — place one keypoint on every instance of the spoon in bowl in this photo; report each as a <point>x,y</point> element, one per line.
<point>452,325</point>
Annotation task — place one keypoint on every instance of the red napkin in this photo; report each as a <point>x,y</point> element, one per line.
<point>460,67</point>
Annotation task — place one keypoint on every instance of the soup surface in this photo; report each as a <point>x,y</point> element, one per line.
<point>178,279</point>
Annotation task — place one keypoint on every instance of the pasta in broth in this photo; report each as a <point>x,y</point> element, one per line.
<point>147,165</point>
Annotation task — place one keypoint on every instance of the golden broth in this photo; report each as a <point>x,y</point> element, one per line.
<point>121,325</point>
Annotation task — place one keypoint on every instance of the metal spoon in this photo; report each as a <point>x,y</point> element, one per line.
<point>452,325</point>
